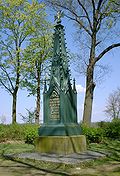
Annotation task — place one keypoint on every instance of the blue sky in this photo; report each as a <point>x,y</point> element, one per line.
<point>102,91</point>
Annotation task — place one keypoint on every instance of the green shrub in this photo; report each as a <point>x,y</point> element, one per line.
<point>93,135</point>
<point>16,131</point>
<point>30,136</point>
<point>112,129</point>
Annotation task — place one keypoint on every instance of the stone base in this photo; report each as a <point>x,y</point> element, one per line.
<point>61,144</point>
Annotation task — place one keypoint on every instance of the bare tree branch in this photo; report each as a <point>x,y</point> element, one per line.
<point>93,4</point>
<point>106,50</point>
<point>77,18</point>
<point>80,23</point>
<point>87,15</point>
<point>113,105</point>
<point>99,4</point>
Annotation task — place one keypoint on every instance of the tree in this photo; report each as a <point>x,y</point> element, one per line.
<point>17,24</point>
<point>37,54</point>
<point>112,109</point>
<point>94,19</point>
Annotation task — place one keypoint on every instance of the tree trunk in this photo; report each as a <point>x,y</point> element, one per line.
<point>90,85</point>
<point>37,112</point>
<point>14,107</point>
<point>17,84</point>
<point>88,99</point>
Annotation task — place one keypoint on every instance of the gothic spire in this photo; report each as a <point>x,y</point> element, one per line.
<point>59,72</point>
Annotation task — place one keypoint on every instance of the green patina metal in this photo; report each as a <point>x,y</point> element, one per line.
<point>60,100</point>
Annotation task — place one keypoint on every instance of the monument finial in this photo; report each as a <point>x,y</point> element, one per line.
<point>74,86</point>
<point>58,16</point>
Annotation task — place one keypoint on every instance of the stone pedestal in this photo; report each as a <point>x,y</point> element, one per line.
<point>61,144</point>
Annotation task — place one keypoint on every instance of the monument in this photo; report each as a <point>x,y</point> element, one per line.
<point>60,133</point>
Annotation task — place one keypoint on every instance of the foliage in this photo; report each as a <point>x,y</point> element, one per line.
<point>16,131</point>
<point>112,129</point>
<point>30,136</point>
<point>18,25</point>
<point>28,132</point>
<point>113,105</point>
<point>18,21</point>
<point>93,135</point>
<point>36,57</point>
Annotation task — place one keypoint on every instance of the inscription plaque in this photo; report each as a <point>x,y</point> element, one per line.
<point>54,105</point>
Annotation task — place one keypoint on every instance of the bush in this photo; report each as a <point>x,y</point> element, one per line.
<point>112,129</point>
<point>30,136</point>
<point>93,135</point>
<point>16,131</point>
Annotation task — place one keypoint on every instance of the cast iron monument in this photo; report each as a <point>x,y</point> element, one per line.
<point>60,132</point>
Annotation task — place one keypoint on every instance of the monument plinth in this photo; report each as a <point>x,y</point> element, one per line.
<point>60,132</point>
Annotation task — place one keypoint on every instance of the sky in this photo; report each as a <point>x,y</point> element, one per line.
<point>110,83</point>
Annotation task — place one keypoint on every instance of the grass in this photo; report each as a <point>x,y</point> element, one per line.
<point>108,166</point>
<point>14,148</point>
<point>18,134</point>
<point>111,148</point>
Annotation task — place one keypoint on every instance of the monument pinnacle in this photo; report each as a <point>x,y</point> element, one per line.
<point>59,71</point>
<point>58,16</point>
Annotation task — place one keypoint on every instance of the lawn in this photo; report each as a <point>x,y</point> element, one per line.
<point>108,166</point>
